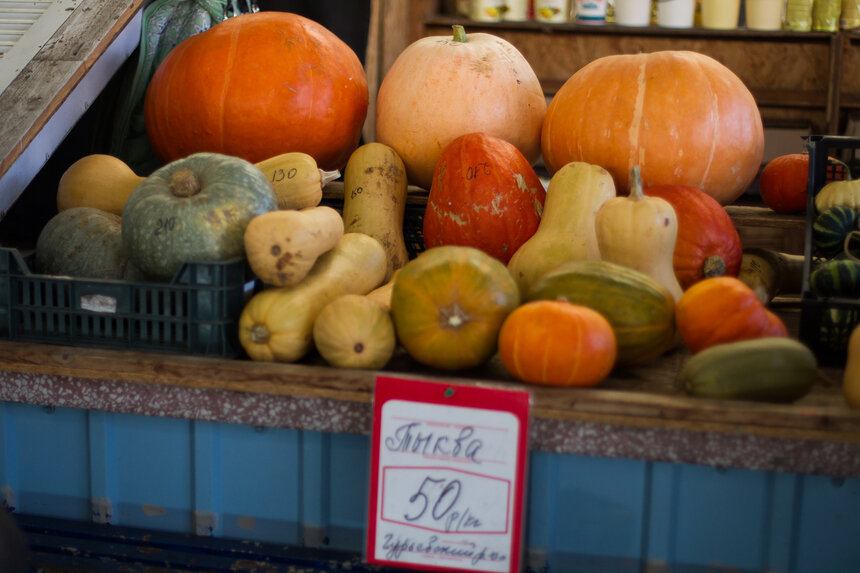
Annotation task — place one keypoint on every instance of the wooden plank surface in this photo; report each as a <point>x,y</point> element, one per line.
<point>41,87</point>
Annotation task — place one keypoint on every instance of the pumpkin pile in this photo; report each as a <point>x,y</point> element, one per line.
<point>627,254</point>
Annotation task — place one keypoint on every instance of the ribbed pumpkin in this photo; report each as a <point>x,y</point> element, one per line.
<point>783,181</point>
<point>683,117</point>
<point>556,343</point>
<point>193,210</point>
<point>723,309</point>
<point>441,87</point>
<point>255,86</point>
<point>708,243</point>
<point>485,194</point>
<point>448,305</point>
<point>84,242</point>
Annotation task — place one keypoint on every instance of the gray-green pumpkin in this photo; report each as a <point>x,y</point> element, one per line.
<point>84,242</point>
<point>194,209</point>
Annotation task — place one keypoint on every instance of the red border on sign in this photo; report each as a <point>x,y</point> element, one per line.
<point>513,401</point>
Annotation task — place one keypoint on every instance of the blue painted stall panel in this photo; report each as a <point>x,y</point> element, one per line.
<point>302,488</point>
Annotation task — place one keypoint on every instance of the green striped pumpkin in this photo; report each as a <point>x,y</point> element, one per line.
<point>838,277</point>
<point>640,309</point>
<point>830,228</point>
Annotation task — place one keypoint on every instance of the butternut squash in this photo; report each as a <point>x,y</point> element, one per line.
<point>851,373</point>
<point>282,246</point>
<point>382,294</point>
<point>566,230</point>
<point>277,323</point>
<point>374,200</point>
<point>639,232</point>
<point>354,331</point>
<point>105,182</point>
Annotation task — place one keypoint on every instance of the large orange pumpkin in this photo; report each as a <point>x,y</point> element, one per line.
<point>442,87</point>
<point>557,343</point>
<point>683,117</point>
<point>708,243</point>
<point>255,86</point>
<point>484,195</point>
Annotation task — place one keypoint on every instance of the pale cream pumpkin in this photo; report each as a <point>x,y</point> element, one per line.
<point>442,87</point>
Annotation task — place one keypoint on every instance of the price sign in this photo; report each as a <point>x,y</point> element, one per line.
<point>447,476</point>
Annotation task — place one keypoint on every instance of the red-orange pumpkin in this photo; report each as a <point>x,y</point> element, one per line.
<point>683,117</point>
<point>782,183</point>
<point>723,309</point>
<point>255,86</point>
<point>557,343</point>
<point>485,194</point>
<point>708,243</point>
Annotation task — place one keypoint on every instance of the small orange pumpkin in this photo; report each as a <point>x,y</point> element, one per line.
<point>557,343</point>
<point>723,309</point>
<point>782,183</point>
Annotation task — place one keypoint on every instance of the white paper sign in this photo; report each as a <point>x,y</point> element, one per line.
<point>447,491</point>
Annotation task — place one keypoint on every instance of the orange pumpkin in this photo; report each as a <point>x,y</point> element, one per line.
<point>782,183</point>
<point>723,309</point>
<point>683,117</point>
<point>442,87</point>
<point>708,243</point>
<point>557,343</point>
<point>486,195</point>
<point>255,86</point>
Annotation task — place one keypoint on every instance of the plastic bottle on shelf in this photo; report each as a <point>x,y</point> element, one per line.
<point>486,10</point>
<point>798,15</point>
<point>590,11</point>
<point>552,10</point>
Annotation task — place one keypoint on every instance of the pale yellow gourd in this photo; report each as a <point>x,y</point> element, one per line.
<point>354,331</point>
<point>851,374</point>
<point>100,181</point>
<point>282,246</point>
<point>374,200</point>
<point>843,192</point>
<point>566,229</point>
<point>382,294</point>
<point>105,182</point>
<point>276,324</point>
<point>639,232</point>
<point>296,179</point>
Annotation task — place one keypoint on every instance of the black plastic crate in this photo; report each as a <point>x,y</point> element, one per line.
<point>826,322</point>
<point>196,313</point>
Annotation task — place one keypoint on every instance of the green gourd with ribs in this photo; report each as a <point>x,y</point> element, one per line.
<point>836,278</point>
<point>830,228</point>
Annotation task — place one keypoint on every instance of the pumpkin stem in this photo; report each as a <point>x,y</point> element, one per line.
<point>713,266</point>
<point>459,33</point>
<point>452,317</point>
<point>636,184</point>
<point>259,334</point>
<point>184,183</point>
<point>846,245</point>
<point>327,176</point>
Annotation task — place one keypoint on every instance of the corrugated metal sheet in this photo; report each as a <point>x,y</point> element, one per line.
<point>306,488</point>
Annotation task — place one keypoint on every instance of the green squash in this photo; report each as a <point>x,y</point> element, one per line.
<point>84,243</point>
<point>831,227</point>
<point>194,209</point>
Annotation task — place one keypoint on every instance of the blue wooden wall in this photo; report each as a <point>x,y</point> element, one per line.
<point>301,487</point>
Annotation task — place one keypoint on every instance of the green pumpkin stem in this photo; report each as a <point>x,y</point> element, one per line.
<point>184,183</point>
<point>636,184</point>
<point>459,33</point>
<point>713,266</point>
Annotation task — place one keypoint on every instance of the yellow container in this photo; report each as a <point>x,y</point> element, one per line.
<point>720,14</point>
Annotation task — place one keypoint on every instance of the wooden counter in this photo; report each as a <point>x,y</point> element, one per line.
<point>637,413</point>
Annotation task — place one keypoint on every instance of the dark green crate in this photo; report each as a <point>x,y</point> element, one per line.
<point>826,322</point>
<point>195,313</point>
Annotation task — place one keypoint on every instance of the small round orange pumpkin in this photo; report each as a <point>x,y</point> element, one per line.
<point>782,183</point>
<point>485,194</point>
<point>708,243</point>
<point>683,117</point>
<point>557,343</point>
<point>723,309</point>
<point>256,86</point>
